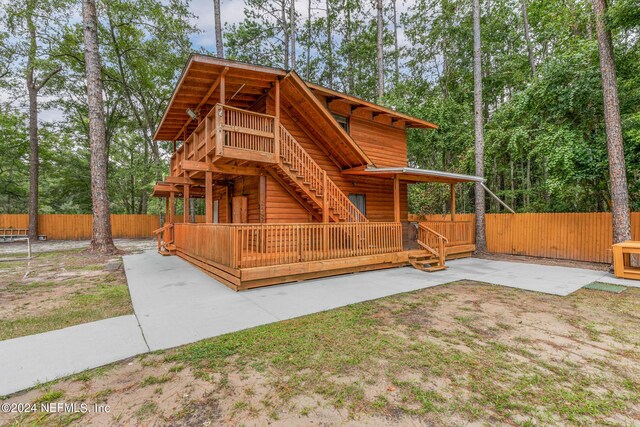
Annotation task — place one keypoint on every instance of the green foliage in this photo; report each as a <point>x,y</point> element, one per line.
<point>545,140</point>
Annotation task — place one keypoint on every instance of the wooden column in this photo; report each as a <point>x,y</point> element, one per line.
<point>222,89</point>
<point>453,202</point>
<point>185,204</point>
<point>172,207</point>
<point>262,196</point>
<point>208,197</point>
<point>276,124</point>
<point>396,198</point>
<point>166,209</point>
<point>325,204</point>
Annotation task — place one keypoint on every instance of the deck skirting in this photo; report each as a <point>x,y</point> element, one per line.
<point>247,278</point>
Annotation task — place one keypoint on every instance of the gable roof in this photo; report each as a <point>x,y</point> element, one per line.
<point>245,84</point>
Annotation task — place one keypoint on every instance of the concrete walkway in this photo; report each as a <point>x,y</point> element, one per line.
<point>176,304</point>
<point>39,358</point>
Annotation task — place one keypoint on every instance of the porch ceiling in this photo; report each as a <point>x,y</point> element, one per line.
<point>413,174</point>
<point>198,89</point>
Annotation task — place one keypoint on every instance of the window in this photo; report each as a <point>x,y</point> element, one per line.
<point>342,121</point>
<point>360,201</point>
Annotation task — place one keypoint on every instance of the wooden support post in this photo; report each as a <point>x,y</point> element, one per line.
<point>396,198</point>
<point>325,215</point>
<point>262,196</point>
<point>208,197</point>
<point>276,124</point>
<point>453,202</point>
<point>166,209</point>
<point>172,207</point>
<point>222,89</point>
<point>219,133</point>
<point>185,204</point>
<point>325,203</point>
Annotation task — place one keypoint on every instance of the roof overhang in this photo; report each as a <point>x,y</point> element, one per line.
<point>413,174</point>
<point>410,121</point>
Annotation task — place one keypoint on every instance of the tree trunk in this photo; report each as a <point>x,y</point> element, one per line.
<point>329,45</point>
<point>285,32</point>
<point>395,43</point>
<point>380,44</point>
<point>615,148</point>
<point>292,25</point>
<point>101,240</point>
<point>350,72</point>
<point>527,36</point>
<point>218,24</point>
<point>481,239</point>
<point>308,71</point>
<point>34,156</point>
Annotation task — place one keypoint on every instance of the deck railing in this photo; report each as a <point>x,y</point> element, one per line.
<point>259,245</point>
<point>456,232</point>
<point>227,127</point>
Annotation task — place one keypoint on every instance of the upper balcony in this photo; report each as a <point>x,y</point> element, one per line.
<point>228,133</point>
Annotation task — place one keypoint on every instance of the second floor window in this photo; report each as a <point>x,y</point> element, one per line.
<point>342,121</point>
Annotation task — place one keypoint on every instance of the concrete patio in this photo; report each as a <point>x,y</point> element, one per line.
<point>176,304</point>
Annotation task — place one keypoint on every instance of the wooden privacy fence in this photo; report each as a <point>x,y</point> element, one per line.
<point>80,226</point>
<point>574,236</point>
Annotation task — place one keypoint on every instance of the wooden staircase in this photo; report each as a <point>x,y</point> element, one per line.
<point>305,177</point>
<point>433,257</point>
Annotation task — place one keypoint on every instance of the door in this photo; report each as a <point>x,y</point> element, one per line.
<point>360,201</point>
<point>239,209</point>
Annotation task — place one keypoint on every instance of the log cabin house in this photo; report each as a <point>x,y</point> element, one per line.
<point>299,181</point>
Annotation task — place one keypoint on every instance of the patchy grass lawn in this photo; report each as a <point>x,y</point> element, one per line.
<point>59,289</point>
<point>450,355</point>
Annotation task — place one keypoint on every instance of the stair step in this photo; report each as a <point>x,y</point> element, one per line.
<point>435,268</point>
<point>428,261</point>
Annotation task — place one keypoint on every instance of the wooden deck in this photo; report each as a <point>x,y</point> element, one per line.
<point>244,256</point>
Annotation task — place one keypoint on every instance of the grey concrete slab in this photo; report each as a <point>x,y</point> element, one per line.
<point>610,278</point>
<point>27,361</point>
<point>178,304</point>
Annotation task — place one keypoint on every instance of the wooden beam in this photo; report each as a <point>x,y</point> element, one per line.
<point>185,204</point>
<point>190,165</point>
<point>453,202</point>
<point>396,198</point>
<point>182,180</point>
<point>208,198</point>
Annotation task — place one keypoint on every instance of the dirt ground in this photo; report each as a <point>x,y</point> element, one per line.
<point>62,285</point>
<point>457,354</point>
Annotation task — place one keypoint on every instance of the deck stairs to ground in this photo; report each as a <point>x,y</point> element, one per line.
<point>432,256</point>
<point>302,175</point>
<point>166,246</point>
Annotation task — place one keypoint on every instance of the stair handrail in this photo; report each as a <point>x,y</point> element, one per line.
<point>424,233</point>
<point>297,156</point>
<point>161,233</point>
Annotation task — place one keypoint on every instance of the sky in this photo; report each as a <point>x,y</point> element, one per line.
<point>232,12</point>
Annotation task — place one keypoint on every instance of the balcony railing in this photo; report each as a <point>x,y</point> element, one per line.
<point>228,132</point>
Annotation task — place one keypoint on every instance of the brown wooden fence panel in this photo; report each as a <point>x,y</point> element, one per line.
<point>79,226</point>
<point>574,236</point>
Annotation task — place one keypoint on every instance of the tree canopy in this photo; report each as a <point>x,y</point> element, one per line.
<point>545,147</point>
